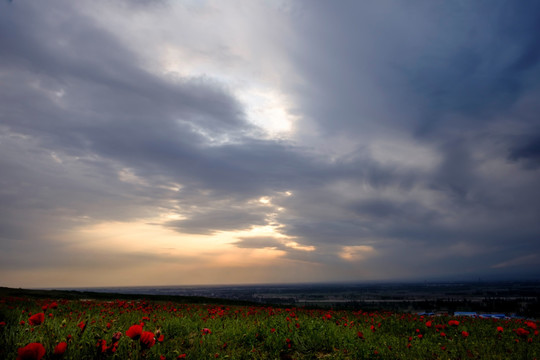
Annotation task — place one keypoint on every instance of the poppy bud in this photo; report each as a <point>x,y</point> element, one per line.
<point>116,337</point>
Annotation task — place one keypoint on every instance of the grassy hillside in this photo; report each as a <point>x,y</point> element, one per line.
<point>78,295</point>
<point>37,324</point>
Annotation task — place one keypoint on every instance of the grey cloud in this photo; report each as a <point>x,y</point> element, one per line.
<point>393,211</point>
<point>102,82</point>
<point>528,152</point>
<point>259,243</point>
<point>78,108</point>
<point>472,59</point>
<point>224,218</point>
<point>109,107</point>
<point>318,256</point>
<point>58,256</point>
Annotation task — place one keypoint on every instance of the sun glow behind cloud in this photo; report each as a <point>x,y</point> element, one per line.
<point>150,236</point>
<point>264,104</point>
<point>149,253</point>
<point>252,77</point>
<point>357,252</point>
<point>268,109</point>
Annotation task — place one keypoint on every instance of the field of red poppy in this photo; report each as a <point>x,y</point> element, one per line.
<point>129,329</point>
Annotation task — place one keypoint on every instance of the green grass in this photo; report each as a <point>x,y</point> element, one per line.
<point>251,332</point>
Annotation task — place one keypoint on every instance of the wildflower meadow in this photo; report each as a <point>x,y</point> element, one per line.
<point>141,329</point>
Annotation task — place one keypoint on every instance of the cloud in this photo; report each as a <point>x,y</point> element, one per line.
<point>396,134</point>
<point>222,219</point>
<point>355,253</point>
<point>420,70</point>
<point>528,152</point>
<point>260,243</point>
<point>527,260</point>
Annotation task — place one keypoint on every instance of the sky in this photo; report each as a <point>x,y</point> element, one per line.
<point>154,142</point>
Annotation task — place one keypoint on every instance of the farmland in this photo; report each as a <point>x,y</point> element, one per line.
<point>152,328</point>
<point>518,298</point>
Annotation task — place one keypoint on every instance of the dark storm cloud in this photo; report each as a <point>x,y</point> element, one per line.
<point>445,74</point>
<point>415,63</point>
<point>527,152</point>
<point>89,134</point>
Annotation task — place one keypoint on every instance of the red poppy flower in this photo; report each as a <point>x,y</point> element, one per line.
<point>531,324</point>
<point>81,325</point>
<point>134,332</point>
<point>60,349</point>
<point>147,339</point>
<point>36,319</point>
<point>102,345</point>
<point>206,331</point>
<point>521,332</point>
<point>428,323</point>
<point>161,338</point>
<point>453,323</point>
<point>464,334</point>
<point>32,351</point>
<point>500,329</point>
